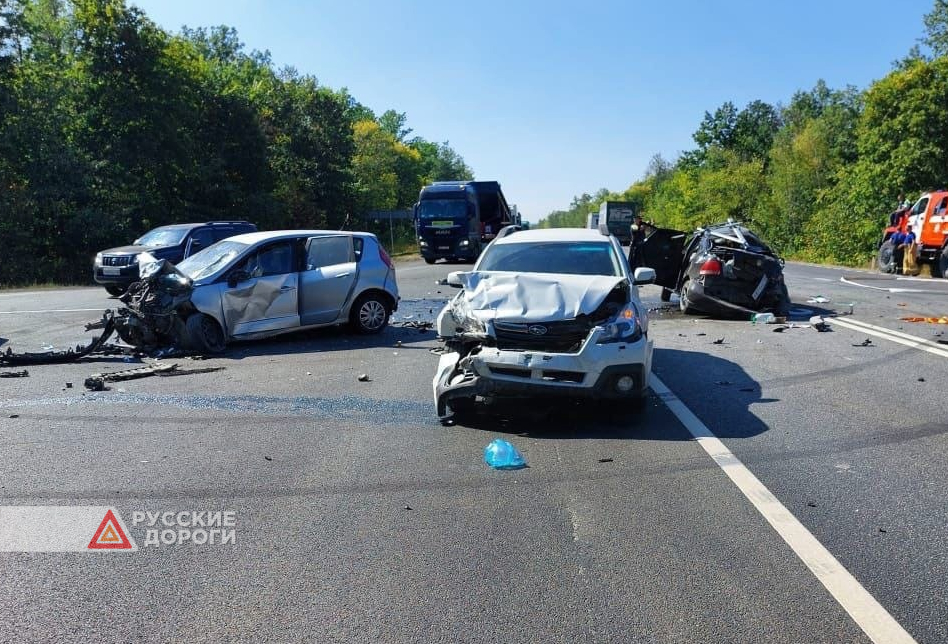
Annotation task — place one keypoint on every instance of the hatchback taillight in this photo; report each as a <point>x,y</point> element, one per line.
<point>385,258</point>
<point>711,267</point>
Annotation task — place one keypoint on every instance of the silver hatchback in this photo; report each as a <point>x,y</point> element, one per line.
<point>265,283</point>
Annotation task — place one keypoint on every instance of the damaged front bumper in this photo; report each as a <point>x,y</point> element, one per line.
<point>613,371</point>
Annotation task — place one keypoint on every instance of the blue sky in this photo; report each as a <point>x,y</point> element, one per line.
<point>554,99</point>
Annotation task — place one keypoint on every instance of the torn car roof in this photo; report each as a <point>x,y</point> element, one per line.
<point>534,297</point>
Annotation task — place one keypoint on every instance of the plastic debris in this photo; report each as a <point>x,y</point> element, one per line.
<point>921,380</point>
<point>718,341</point>
<point>15,374</point>
<point>819,323</point>
<point>941,320</point>
<point>501,455</point>
<point>605,460</point>
<point>818,299</point>
<point>267,458</point>
<point>865,343</point>
<point>763,318</point>
<point>363,377</point>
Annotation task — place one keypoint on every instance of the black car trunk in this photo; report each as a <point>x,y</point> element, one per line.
<point>748,279</point>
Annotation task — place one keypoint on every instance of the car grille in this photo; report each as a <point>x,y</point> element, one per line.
<point>574,377</point>
<point>115,260</point>
<point>561,337</point>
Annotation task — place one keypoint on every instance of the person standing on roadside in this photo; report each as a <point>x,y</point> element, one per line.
<point>639,232</point>
<point>898,250</point>
<point>909,252</point>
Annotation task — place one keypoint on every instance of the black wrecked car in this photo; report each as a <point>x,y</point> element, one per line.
<point>117,268</point>
<point>723,270</point>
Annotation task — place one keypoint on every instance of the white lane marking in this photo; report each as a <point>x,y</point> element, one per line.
<point>78,289</point>
<point>893,289</point>
<point>869,614</point>
<point>52,311</point>
<point>821,279</point>
<point>893,336</point>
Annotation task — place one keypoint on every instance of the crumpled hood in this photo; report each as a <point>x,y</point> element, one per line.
<point>534,297</point>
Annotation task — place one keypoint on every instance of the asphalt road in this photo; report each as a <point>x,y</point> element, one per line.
<point>360,518</point>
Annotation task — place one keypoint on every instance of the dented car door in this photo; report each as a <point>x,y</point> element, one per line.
<point>329,275</point>
<point>263,291</point>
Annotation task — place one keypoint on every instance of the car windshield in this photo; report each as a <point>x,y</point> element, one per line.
<point>447,208</point>
<point>164,236</point>
<point>568,258</point>
<point>211,259</point>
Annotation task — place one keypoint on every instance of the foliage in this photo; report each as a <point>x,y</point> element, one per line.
<point>110,126</point>
<point>819,176</point>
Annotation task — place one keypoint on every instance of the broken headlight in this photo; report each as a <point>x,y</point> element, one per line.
<point>624,327</point>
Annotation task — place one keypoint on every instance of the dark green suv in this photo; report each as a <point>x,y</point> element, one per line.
<point>117,268</point>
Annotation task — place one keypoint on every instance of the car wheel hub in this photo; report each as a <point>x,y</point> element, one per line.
<point>372,314</point>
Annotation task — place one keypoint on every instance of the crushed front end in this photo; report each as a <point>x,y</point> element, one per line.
<point>156,307</point>
<point>588,339</point>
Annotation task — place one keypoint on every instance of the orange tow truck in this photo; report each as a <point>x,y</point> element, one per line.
<point>929,221</point>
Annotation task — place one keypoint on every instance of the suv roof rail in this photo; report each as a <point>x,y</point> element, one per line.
<point>220,223</point>
<point>508,230</point>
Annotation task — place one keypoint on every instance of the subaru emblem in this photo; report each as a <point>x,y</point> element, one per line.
<point>536,329</point>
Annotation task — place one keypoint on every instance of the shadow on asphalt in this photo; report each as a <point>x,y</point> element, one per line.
<point>732,390</point>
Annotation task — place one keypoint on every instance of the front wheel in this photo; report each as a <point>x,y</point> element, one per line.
<point>205,334</point>
<point>886,258</point>
<point>666,295</point>
<point>940,264</point>
<point>429,260</point>
<point>115,290</point>
<point>369,314</point>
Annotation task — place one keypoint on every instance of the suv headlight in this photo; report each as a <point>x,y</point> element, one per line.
<point>624,327</point>
<point>98,259</point>
<point>134,259</point>
<point>464,242</point>
<point>422,243</point>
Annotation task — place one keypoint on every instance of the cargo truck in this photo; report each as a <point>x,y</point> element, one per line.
<point>617,216</point>
<point>456,219</point>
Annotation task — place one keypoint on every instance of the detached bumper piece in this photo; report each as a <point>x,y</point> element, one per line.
<point>107,324</point>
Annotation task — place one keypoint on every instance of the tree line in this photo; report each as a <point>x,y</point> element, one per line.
<point>110,126</point>
<point>818,176</point>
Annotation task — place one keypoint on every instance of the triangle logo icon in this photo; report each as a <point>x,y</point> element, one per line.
<point>110,535</point>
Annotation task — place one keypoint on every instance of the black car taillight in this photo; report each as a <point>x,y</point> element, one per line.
<point>711,267</point>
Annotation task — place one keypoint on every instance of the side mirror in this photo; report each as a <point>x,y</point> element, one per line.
<point>644,275</point>
<point>237,277</point>
<point>454,279</point>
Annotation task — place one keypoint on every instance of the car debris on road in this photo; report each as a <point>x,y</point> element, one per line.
<point>96,382</point>
<point>15,374</point>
